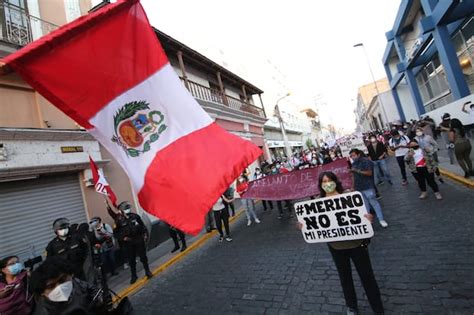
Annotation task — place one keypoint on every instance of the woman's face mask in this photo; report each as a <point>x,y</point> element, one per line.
<point>16,268</point>
<point>63,232</point>
<point>328,187</point>
<point>419,133</point>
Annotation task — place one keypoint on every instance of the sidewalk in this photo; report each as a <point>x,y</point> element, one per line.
<point>454,171</point>
<point>157,257</point>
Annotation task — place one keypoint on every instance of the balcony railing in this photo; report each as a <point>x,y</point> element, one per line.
<point>19,28</point>
<point>205,93</point>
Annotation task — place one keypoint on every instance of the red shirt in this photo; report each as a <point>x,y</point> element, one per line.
<point>242,187</point>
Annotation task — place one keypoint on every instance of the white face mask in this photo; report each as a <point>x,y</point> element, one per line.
<point>61,293</point>
<point>419,133</point>
<point>127,211</point>
<point>63,232</point>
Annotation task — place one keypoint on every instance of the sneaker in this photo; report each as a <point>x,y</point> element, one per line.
<point>228,238</point>
<point>125,266</point>
<point>221,238</point>
<point>257,220</point>
<point>438,196</point>
<point>175,249</point>
<point>148,274</point>
<point>249,223</point>
<point>404,182</point>
<point>423,195</point>
<point>183,248</point>
<point>383,223</point>
<point>441,180</point>
<point>279,217</point>
<point>133,279</point>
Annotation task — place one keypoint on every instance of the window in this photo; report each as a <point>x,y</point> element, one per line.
<point>463,42</point>
<point>433,85</point>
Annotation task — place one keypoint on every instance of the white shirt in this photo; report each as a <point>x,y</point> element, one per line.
<point>219,205</point>
<point>403,141</point>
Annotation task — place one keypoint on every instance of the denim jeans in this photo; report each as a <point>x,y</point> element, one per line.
<point>249,209</point>
<point>386,174</point>
<point>370,199</point>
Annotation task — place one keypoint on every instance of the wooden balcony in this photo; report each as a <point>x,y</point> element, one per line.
<point>205,93</point>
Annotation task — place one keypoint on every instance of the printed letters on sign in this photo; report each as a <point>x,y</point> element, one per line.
<point>335,218</point>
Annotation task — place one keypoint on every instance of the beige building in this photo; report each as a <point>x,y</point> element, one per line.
<point>44,155</point>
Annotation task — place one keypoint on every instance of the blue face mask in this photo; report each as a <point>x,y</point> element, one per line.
<point>16,268</point>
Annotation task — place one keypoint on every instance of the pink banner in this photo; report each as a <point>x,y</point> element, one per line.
<point>297,184</point>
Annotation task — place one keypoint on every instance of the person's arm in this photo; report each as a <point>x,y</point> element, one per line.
<point>111,212</point>
<point>144,229</point>
<point>227,200</point>
<point>433,142</point>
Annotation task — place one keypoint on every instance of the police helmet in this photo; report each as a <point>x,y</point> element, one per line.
<point>60,223</point>
<point>124,205</point>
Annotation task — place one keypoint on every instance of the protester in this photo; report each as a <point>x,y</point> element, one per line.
<point>258,175</point>
<point>105,243</point>
<point>356,250</point>
<point>362,169</point>
<point>131,231</point>
<point>221,215</point>
<point>378,154</point>
<point>444,127</point>
<point>462,146</point>
<point>70,247</point>
<point>242,187</point>
<point>429,143</point>
<point>174,233</point>
<point>57,291</point>
<point>398,143</point>
<point>422,164</point>
<point>15,298</point>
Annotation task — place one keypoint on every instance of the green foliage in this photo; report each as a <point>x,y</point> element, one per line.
<point>133,152</point>
<point>128,110</point>
<point>154,137</point>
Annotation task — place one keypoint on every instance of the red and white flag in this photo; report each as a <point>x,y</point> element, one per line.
<point>109,73</point>
<point>100,183</point>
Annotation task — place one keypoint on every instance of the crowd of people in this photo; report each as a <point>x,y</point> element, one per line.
<point>78,261</point>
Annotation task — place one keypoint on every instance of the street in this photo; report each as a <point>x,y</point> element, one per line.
<point>422,261</point>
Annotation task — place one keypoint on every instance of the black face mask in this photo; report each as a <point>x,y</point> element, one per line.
<point>415,147</point>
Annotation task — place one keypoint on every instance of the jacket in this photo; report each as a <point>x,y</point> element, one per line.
<point>73,250</point>
<point>379,150</point>
<point>130,226</point>
<point>429,160</point>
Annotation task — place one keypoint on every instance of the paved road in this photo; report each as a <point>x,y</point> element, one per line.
<point>424,263</point>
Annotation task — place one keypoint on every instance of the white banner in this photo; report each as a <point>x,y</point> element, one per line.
<point>349,144</point>
<point>335,218</point>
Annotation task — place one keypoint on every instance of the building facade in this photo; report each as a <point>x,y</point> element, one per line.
<point>429,58</point>
<point>44,155</point>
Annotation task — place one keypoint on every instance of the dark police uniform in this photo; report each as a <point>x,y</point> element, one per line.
<point>73,250</point>
<point>131,226</point>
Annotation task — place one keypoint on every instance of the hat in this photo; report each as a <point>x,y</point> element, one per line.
<point>60,223</point>
<point>446,116</point>
<point>395,133</point>
<point>124,205</point>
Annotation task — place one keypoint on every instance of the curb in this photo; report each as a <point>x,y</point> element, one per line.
<point>457,178</point>
<point>198,243</point>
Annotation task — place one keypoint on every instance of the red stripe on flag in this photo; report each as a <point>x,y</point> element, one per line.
<point>186,178</point>
<point>87,63</point>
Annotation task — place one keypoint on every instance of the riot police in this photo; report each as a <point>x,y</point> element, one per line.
<point>132,234</point>
<point>68,246</point>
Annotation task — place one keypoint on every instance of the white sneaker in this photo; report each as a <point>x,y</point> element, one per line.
<point>383,223</point>
<point>438,196</point>
<point>249,223</point>
<point>423,195</point>
<point>257,221</point>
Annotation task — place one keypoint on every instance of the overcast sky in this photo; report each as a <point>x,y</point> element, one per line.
<point>302,47</point>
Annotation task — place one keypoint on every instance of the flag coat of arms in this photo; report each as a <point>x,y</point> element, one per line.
<point>109,73</point>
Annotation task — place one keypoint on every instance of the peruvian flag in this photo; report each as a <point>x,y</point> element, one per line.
<point>109,73</point>
<point>100,183</point>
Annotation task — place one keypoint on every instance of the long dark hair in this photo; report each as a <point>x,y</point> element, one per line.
<point>332,177</point>
<point>3,264</point>
<point>456,123</point>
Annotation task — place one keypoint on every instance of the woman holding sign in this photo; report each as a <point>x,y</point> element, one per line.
<point>356,250</point>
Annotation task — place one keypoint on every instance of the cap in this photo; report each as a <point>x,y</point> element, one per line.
<point>446,116</point>
<point>60,223</point>
<point>124,205</point>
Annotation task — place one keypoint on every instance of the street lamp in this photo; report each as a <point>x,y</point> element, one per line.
<point>282,125</point>
<point>373,79</point>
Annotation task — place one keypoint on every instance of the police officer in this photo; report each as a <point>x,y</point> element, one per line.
<point>68,246</point>
<point>132,234</point>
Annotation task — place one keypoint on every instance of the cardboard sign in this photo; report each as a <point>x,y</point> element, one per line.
<point>297,184</point>
<point>335,218</point>
<point>349,144</point>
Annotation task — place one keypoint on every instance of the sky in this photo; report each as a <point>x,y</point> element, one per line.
<point>303,47</point>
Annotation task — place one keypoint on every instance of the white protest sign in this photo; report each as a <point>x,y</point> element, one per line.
<point>335,218</point>
<point>355,143</point>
